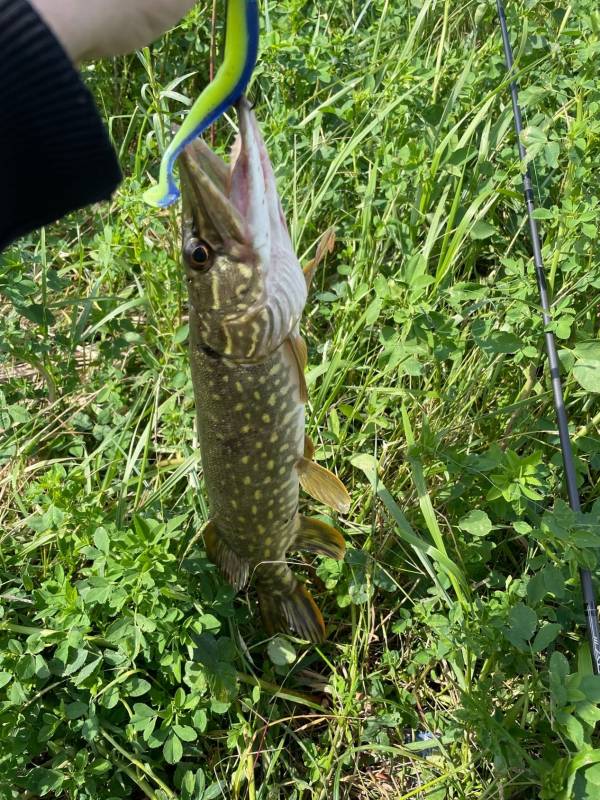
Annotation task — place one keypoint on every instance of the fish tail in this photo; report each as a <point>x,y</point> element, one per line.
<point>295,611</point>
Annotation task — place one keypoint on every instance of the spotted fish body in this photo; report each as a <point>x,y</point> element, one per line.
<point>250,446</point>
<point>246,294</point>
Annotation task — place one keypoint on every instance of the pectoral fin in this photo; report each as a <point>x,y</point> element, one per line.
<point>234,569</point>
<point>300,353</point>
<point>309,448</point>
<point>325,245</point>
<point>315,536</point>
<point>323,485</point>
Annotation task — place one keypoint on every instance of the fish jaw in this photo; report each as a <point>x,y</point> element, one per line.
<point>251,296</point>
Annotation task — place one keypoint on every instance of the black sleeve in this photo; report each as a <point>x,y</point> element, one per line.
<point>55,155</point>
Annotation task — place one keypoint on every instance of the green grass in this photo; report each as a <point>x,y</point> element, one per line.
<point>127,667</point>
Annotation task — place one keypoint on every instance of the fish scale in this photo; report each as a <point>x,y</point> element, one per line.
<point>246,294</point>
<point>251,432</point>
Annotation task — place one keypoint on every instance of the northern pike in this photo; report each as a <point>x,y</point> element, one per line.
<point>246,292</point>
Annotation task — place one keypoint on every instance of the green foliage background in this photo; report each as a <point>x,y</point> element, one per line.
<point>127,667</point>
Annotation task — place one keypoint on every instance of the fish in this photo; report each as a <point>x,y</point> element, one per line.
<point>241,51</point>
<point>246,295</point>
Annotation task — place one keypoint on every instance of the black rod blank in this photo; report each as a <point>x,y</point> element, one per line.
<point>589,600</point>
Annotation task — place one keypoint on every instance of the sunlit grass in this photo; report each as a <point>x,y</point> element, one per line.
<point>127,668</point>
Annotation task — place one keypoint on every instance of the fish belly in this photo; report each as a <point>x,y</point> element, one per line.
<point>251,430</point>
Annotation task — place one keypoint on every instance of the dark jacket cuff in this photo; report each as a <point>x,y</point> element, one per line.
<point>55,155</point>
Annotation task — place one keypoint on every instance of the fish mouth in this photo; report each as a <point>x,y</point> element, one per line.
<point>236,210</point>
<point>236,203</point>
<point>208,212</point>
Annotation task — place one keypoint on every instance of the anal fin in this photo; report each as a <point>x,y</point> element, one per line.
<point>234,569</point>
<point>319,537</point>
<point>323,485</point>
<point>296,611</point>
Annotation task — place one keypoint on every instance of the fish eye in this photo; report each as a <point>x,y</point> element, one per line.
<point>198,254</point>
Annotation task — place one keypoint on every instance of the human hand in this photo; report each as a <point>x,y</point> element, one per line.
<point>96,28</point>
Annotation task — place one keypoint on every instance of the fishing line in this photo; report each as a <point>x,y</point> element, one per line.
<point>589,600</point>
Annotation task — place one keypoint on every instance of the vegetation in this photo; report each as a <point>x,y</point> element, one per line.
<point>127,668</point>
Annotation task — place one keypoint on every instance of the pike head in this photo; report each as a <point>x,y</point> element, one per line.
<point>246,287</point>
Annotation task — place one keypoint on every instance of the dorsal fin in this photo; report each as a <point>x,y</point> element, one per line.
<point>234,569</point>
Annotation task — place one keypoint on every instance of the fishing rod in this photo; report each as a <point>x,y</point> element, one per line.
<point>589,599</point>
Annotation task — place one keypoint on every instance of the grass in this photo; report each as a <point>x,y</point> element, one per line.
<point>127,668</point>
